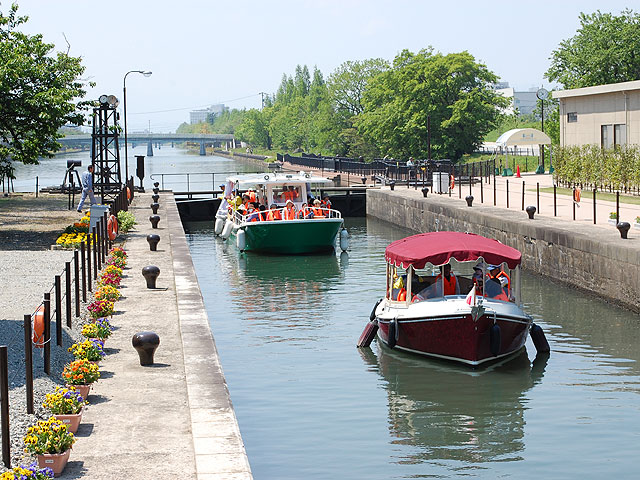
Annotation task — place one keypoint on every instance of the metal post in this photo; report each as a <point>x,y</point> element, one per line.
<point>555,205</point>
<point>507,193</point>
<point>98,248</point>
<point>58,300</point>
<point>573,203</point>
<point>460,184</point>
<point>36,186</point>
<point>470,175</point>
<point>594,206</point>
<point>76,282</point>
<point>67,274</point>
<point>47,333</point>
<point>523,195</point>
<point>4,389</point>
<point>28,362</point>
<point>538,197</point>
<point>617,207</point>
<point>96,265</point>
<point>494,191</point>
<point>83,270</point>
<point>481,192</point>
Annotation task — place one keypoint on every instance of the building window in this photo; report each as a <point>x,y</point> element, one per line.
<point>606,136</point>
<point>620,134</point>
<point>572,117</point>
<point>613,135</point>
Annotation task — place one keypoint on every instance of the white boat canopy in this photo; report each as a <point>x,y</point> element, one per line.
<point>523,136</point>
<point>253,180</point>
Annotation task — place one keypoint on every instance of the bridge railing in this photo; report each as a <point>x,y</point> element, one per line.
<point>193,182</point>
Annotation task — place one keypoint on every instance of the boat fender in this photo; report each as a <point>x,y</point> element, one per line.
<point>372,317</point>
<point>241,240</point>
<point>539,339</point>
<point>226,231</point>
<point>494,339</point>
<point>344,239</point>
<point>394,330</point>
<point>219,225</point>
<point>368,334</point>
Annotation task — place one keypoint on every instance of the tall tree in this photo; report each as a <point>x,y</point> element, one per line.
<point>349,81</point>
<point>604,50</point>
<point>453,90</point>
<point>38,92</point>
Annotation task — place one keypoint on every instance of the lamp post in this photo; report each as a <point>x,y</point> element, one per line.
<point>124,91</point>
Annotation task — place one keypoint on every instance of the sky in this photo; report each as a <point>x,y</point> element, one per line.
<point>218,51</point>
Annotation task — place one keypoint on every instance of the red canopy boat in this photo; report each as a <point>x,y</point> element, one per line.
<point>453,296</point>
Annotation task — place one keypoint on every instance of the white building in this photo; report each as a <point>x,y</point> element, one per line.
<point>524,102</point>
<point>200,116</point>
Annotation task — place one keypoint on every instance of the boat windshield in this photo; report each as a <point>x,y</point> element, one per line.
<point>281,194</point>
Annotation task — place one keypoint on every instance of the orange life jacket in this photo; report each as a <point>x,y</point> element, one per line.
<point>317,212</point>
<point>502,274</point>
<point>252,196</point>
<point>290,213</point>
<point>290,195</point>
<point>272,214</point>
<point>402,295</point>
<point>449,285</point>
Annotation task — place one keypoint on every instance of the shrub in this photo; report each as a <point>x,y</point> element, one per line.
<point>126,220</point>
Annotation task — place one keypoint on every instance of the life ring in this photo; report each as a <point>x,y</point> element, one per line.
<point>112,227</point>
<point>128,194</point>
<point>453,183</point>
<point>38,327</point>
<point>576,195</point>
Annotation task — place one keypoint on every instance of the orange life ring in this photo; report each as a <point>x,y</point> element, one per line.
<point>453,183</point>
<point>576,195</point>
<point>38,327</point>
<point>112,227</point>
<point>128,194</point>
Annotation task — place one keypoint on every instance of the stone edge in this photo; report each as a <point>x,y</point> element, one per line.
<point>219,449</point>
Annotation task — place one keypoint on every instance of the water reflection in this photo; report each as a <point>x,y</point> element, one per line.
<point>452,413</point>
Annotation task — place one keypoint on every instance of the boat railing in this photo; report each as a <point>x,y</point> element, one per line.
<point>306,213</point>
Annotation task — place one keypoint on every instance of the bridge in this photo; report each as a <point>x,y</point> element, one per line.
<point>151,139</point>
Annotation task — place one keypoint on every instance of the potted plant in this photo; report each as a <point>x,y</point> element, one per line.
<point>117,261</point>
<point>613,218</point>
<point>51,442</point>
<point>66,404</point>
<point>107,278</point>
<point>113,269</point>
<point>100,308</point>
<point>118,252</point>
<point>32,472</point>
<point>101,329</point>
<point>81,373</point>
<point>89,349</point>
<point>636,224</point>
<point>108,293</point>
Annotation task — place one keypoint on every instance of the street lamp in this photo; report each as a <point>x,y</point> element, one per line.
<point>124,91</point>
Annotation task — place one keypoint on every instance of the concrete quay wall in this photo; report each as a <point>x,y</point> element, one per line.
<point>584,256</point>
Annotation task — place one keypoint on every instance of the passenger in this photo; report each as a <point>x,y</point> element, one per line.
<point>326,203</point>
<point>451,286</point>
<point>317,209</point>
<point>478,279</point>
<point>273,213</point>
<point>290,194</point>
<point>496,273</point>
<point>289,212</point>
<point>263,213</point>
<point>498,283</point>
<point>253,214</point>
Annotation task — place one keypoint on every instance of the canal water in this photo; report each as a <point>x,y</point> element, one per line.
<point>311,405</point>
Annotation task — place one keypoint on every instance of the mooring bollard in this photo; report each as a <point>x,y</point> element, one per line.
<point>392,184</point>
<point>154,219</point>
<point>425,190</point>
<point>156,184</point>
<point>146,344</point>
<point>156,190</point>
<point>154,207</point>
<point>623,228</point>
<point>531,210</point>
<point>153,240</point>
<point>155,197</point>
<point>469,199</point>
<point>150,274</point>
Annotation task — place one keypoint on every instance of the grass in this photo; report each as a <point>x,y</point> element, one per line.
<point>507,125</point>
<point>609,197</point>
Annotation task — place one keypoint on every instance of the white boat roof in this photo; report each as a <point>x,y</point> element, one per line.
<point>251,180</point>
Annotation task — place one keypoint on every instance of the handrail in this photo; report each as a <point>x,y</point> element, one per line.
<point>239,217</point>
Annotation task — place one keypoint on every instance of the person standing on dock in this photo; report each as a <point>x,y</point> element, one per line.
<point>87,188</point>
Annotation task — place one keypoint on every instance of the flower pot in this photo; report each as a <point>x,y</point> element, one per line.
<point>636,225</point>
<point>82,389</point>
<point>54,461</point>
<point>72,420</point>
<point>612,221</point>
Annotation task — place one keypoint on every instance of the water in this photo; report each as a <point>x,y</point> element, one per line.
<point>310,405</point>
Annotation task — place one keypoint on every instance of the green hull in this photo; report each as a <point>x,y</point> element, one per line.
<point>292,237</point>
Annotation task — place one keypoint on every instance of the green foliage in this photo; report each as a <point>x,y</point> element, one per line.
<point>38,93</point>
<point>604,50</point>
<point>126,220</point>
<point>223,123</point>
<point>591,165</point>
<point>453,90</point>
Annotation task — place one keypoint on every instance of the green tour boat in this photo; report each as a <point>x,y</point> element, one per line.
<point>270,213</point>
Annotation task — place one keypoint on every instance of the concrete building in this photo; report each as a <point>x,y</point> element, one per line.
<point>604,115</point>
<point>524,102</point>
<point>200,116</point>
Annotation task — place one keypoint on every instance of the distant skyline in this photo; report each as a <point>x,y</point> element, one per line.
<point>209,52</point>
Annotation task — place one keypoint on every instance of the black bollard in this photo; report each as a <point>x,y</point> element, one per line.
<point>623,228</point>
<point>392,184</point>
<point>531,210</point>
<point>469,199</point>
<point>154,208</point>
<point>153,240</point>
<point>155,197</point>
<point>154,219</point>
<point>150,274</point>
<point>425,190</point>
<point>156,184</point>
<point>145,344</point>
<point>364,180</point>
<point>156,190</point>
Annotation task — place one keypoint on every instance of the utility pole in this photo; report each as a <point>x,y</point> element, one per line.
<point>262,94</point>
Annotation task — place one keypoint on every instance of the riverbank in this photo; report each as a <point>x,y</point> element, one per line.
<point>172,419</point>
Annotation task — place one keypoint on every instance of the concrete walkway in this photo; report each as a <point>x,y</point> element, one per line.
<point>173,419</point>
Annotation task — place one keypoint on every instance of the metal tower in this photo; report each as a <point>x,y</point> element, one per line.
<point>105,154</point>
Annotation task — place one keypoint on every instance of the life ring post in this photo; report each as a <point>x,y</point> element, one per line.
<point>28,361</point>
